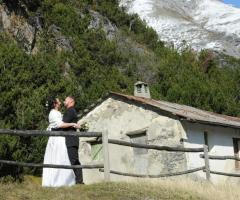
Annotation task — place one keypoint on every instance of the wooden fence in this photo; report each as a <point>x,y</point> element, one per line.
<point>105,166</point>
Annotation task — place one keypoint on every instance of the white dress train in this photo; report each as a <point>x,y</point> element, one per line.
<point>56,153</point>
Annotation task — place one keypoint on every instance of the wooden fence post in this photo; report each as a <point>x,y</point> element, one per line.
<point>106,161</point>
<point>206,160</point>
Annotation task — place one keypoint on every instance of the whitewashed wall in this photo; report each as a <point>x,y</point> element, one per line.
<point>220,141</point>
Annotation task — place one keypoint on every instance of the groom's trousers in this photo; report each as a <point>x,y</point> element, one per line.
<point>74,160</point>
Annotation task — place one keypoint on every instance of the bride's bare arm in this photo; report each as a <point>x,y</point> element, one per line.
<point>67,125</point>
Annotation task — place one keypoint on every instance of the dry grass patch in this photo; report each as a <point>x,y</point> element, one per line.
<point>142,190</point>
<point>203,189</point>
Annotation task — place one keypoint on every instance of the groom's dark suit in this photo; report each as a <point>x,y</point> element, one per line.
<point>72,143</point>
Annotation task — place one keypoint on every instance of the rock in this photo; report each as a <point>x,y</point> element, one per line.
<point>99,21</point>
<point>19,28</point>
<point>61,41</point>
<point>67,68</point>
<point>37,21</point>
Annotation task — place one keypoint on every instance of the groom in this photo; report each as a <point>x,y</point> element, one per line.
<point>72,142</point>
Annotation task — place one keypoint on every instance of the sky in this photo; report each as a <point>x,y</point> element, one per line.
<point>235,3</point>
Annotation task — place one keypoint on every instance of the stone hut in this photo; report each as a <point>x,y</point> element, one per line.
<point>140,119</point>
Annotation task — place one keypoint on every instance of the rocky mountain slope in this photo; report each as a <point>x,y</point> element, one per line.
<point>203,24</point>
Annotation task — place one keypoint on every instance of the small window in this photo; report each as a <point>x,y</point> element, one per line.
<point>236,149</point>
<point>139,88</point>
<point>140,138</point>
<point>96,151</point>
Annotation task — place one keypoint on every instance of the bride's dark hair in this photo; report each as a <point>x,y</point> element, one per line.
<point>51,102</point>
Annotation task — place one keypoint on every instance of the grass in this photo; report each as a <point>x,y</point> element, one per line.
<point>164,189</point>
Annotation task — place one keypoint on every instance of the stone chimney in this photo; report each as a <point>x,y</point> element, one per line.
<point>141,89</point>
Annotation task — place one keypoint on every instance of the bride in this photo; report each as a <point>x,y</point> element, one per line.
<point>56,150</point>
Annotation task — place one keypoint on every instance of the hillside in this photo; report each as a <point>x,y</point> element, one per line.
<point>85,49</point>
<point>204,24</point>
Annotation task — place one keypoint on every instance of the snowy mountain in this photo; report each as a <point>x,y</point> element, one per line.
<point>204,24</point>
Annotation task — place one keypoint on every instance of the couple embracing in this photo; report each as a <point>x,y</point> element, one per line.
<point>62,150</point>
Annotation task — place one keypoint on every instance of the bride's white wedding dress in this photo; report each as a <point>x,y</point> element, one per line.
<point>56,153</point>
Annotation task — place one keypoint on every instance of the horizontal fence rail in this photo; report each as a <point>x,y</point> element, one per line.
<point>23,164</point>
<point>155,147</point>
<point>221,157</point>
<point>155,176</point>
<point>105,167</point>
<point>103,138</point>
<point>49,133</point>
<point>224,174</point>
